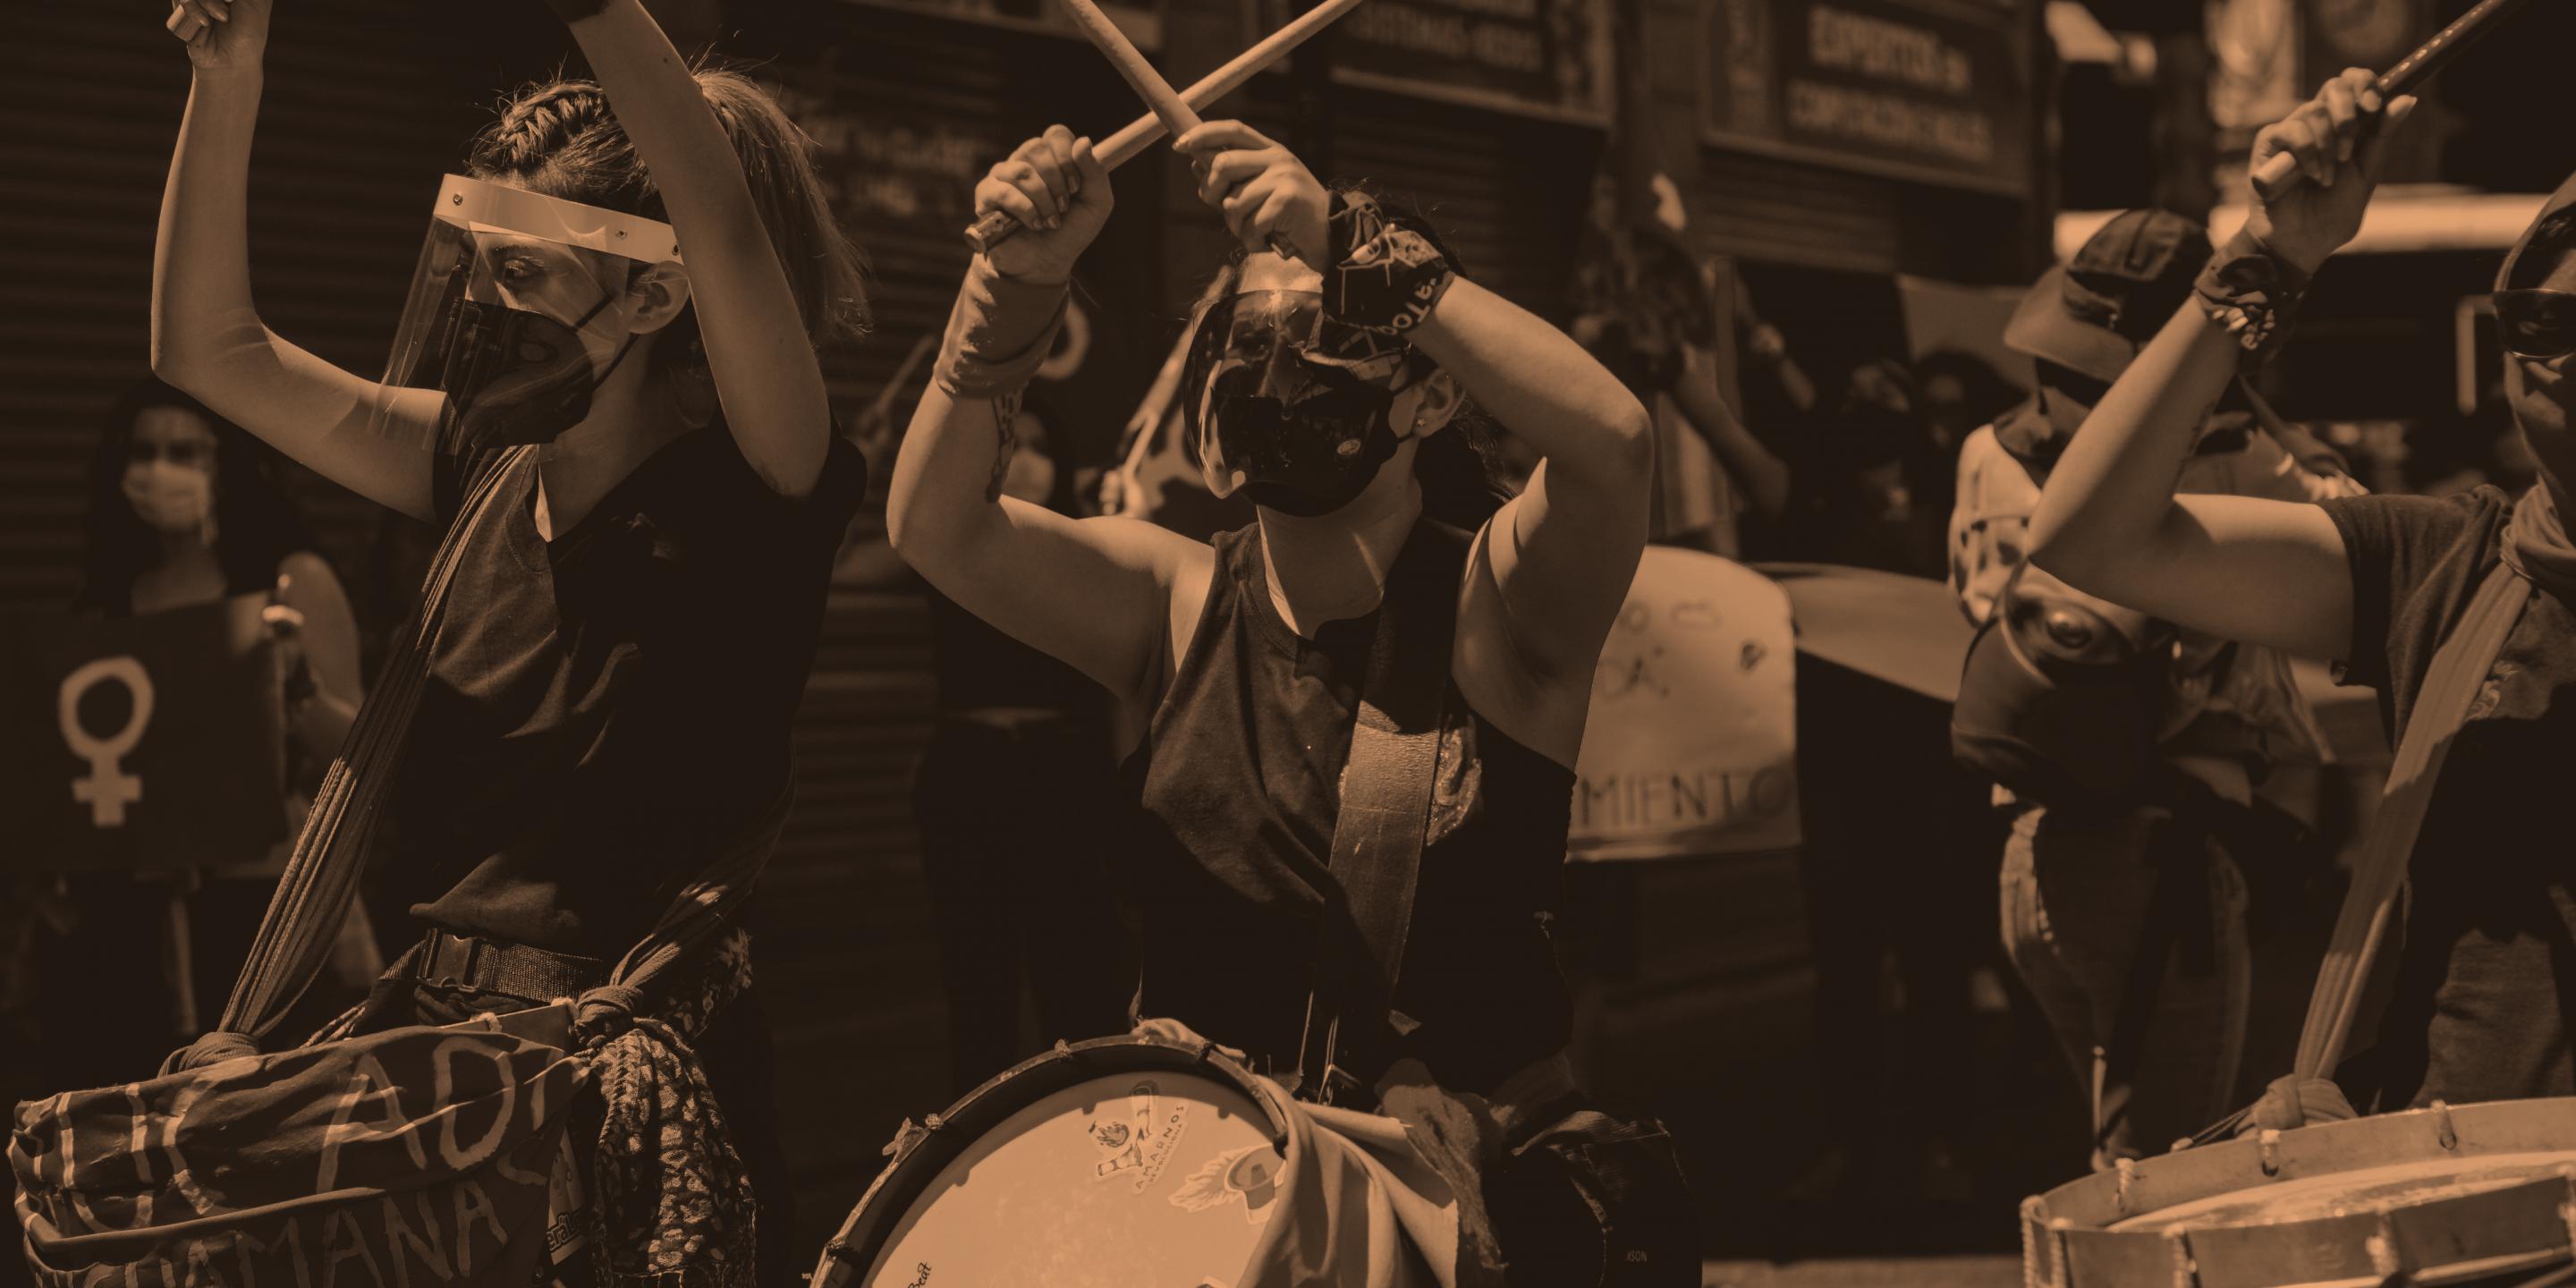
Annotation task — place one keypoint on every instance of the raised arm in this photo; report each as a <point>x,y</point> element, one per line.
<point>1756,469</point>
<point>207,337</point>
<point>2267,572</point>
<point>1565,549</point>
<point>758,347</point>
<point>1093,592</point>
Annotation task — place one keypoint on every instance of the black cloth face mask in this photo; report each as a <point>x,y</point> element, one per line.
<point>1287,407</point>
<point>513,377</point>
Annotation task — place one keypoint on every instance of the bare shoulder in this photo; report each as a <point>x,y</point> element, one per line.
<point>309,578</point>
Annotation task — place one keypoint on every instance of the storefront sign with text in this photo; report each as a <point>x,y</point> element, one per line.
<point>1935,93</point>
<point>1541,57</point>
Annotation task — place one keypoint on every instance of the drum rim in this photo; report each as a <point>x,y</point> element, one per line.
<point>921,1151</point>
<point>2084,1210</point>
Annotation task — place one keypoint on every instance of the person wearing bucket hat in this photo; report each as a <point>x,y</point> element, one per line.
<point>2481,1006</point>
<point>2124,749</point>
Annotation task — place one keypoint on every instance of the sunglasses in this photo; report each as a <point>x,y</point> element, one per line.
<point>143,453</point>
<point>2537,324</point>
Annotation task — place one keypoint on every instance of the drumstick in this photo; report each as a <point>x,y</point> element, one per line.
<point>1122,54</point>
<point>2432,56</point>
<point>997,226</point>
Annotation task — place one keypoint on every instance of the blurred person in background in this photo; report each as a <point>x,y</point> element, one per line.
<point>1013,797</point>
<point>1960,392</point>
<point>2123,909</point>
<point>184,512</point>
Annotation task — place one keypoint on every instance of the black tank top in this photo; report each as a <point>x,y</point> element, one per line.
<point>1239,785</point>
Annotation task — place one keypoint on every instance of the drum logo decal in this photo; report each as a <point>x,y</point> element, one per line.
<point>1139,1146</point>
<point>1250,1174</point>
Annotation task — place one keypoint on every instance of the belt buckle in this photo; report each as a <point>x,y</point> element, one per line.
<point>442,952</point>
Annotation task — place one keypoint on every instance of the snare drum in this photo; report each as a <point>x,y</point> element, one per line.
<point>1124,1163</point>
<point>2479,1194</point>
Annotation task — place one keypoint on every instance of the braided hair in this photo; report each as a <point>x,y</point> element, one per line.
<point>560,139</point>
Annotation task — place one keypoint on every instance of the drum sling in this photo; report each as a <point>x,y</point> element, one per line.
<point>1352,1051</point>
<point>420,1154</point>
<point>2459,670</point>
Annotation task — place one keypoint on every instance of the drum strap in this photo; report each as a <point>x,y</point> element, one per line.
<point>321,877</point>
<point>1384,820</point>
<point>2459,670</point>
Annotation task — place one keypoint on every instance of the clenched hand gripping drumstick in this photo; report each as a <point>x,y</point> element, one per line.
<point>2432,56</point>
<point>997,226</point>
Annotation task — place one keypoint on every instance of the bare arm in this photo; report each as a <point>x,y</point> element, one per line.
<point>757,345</point>
<point>2266,572</point>
<point>1092,592</point>
<point>328,633</point>
<point>207,337</point>
<point>1762,475</point>
<point>1564,550</point>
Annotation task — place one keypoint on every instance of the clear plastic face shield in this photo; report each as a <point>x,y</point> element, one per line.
<point>1282,403</point>
<point>511,317</point>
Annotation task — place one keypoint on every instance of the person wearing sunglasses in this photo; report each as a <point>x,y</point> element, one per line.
<point>2482,1000</point>
<point>1339,377</point>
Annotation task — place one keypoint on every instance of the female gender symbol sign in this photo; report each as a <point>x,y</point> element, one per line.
<point>108,789</point>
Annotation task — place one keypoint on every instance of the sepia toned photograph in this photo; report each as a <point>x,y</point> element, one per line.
<point>1288,643</point>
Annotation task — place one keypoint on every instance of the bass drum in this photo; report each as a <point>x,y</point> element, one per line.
<point>1124,1162</point>
<point>2479,1194</point>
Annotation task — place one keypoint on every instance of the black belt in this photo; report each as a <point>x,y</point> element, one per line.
<point>462,961</point>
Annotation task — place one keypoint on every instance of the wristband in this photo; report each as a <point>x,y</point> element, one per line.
<point>999,333</point>
<point>2251,292</point>
<point>1386,275</point>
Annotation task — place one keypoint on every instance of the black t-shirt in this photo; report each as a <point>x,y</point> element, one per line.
<point>605,712</point>
<point>2487,976</point>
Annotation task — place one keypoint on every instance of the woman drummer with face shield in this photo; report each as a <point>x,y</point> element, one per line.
<point>1337,364</point>
<point>604,389</point>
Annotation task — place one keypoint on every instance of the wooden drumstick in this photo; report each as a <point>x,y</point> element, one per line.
<point>1122,54</point>
<point>1127,144</point>
<point>2281,172</point>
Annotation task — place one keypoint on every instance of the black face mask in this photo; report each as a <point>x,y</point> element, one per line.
<point>513,377</point>
<point>1287,409</point>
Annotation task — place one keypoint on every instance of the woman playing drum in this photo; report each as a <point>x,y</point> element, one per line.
<point>1321,394</point>
<point>2481,1010</point>
<point>636,457</point>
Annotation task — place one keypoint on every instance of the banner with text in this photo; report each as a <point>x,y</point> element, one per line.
<point>1691,746</point>
<point>1935,94</point>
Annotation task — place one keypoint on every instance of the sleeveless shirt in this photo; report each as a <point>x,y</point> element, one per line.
<point>1238,786</point>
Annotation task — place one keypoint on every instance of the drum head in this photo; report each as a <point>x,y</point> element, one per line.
<point>1120,1163</point>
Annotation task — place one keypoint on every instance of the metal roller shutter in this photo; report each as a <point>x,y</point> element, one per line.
<point>1508,193</point>
<point>352,138</point>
